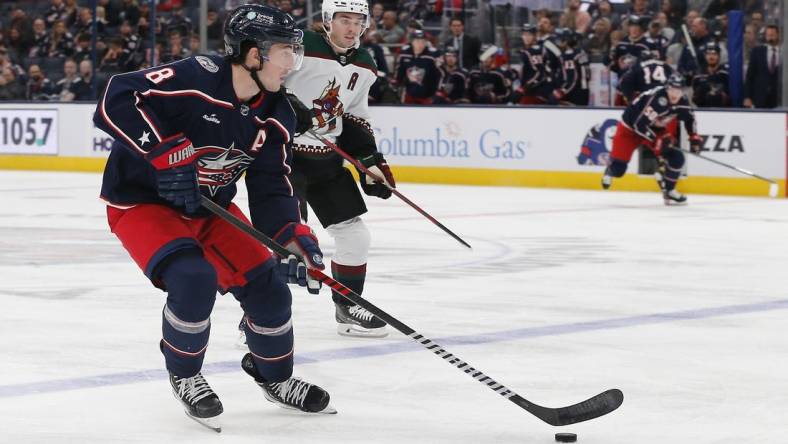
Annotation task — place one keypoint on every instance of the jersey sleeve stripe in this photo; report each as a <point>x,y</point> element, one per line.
<point>146,118</point>
<point>189,92</point>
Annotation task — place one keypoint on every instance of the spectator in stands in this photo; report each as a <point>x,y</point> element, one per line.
<point>214,26</point>
<point>376,14</point>
<point>84,24</point>
<point>40,37</point>
<point>61,43</point>
<point>762,86</point>
<point>10,88</point>
<point>72,12</point>
<point>194,45</point>
<point>111,10</point>
<point>18,46</point>
<point>369,42</point>
<point>85,92</point>
<point>667,31</point>
<point>699,34</point>
<point>390,32</point>
<point>756,20</point>
<point>750,41</point>
<point>710,88</point>
<point>57,11</point>
<point>65,87</point>
<point>598,43</point>
<point>38,87</point>
<point>674,11</point>
<point>468,46</point>
<point>114,60</point>
<point>574,18</point>
<point>7,63</point>
<point>83,49</point>
<point>178,21</point>
<point>640,8</point>
<point>544,28</point>
<point>129,10</point>
<point>605,10</point>
<point>176,51</point>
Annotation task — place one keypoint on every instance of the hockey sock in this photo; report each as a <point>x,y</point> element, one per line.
<point>268,325</point>
<point>191,292</point>
<point>351,276</point>
<point>674,160</point>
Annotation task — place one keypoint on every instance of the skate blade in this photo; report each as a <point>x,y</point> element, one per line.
<point>211,423</point>
<point>240,343</point>
<point>673,203</point>
<point>355,331</point>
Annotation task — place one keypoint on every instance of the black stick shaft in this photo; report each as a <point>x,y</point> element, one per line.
<point>594,407</point>
<point>394,191</point>
<point>735,168</point>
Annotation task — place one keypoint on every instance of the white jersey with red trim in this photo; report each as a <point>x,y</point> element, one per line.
<point>334,86</point>
<point>195,98</point>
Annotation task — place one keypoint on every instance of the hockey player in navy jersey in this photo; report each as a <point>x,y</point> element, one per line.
<point>487,84</point>
<point>575,74</point>
<point>629,50</point>
<point>332,90</point>
<point>644,75</point>
<point>710,87</point>
<point>651,121</point>
<point>417,70</point>
<point>454,79</point>
<point>191,129</point>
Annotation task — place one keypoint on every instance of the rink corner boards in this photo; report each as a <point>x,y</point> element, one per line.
<point>733,186</point>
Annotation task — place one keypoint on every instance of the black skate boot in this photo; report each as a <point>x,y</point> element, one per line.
<point>199,401</point>
<point>356,321</point>
<point>673,197</point>
<point>293,393</point>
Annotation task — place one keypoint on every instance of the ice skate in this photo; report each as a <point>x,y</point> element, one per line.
<point>358,322</point>
<point>293,393</point>
<point>606,181</point>
<point>199,401</point>
<point>673,197</point>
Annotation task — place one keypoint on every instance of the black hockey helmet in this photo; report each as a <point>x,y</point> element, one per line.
<point>451,50</point>
<point>676,81</point>
<point>261,25</point>
<point>566,35</point>
<point>529,27</point>
<point>712,47</point>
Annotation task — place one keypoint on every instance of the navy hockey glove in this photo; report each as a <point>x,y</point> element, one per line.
<point>176,174</point>
<point>303,114</point>
<point>696,143</point>
<point>300,239</point>
<point>378,166</point>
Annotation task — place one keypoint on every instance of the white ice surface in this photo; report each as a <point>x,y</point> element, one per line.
<point>556,295</point>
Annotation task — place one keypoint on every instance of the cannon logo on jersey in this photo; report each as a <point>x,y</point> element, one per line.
<point>328,105</point>
<point>218,167</point>
<point>207,63</point>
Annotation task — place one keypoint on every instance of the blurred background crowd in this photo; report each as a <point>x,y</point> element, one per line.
<point>519,52</point>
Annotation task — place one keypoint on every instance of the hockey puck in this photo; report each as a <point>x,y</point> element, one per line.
<point>565,437</point>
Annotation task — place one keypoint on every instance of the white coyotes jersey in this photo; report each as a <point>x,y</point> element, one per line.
<point>332,86</point>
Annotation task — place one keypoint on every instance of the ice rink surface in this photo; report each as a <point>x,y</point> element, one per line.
<point>565,294</point>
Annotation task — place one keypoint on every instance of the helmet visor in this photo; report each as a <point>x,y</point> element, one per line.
<point>288,56</point>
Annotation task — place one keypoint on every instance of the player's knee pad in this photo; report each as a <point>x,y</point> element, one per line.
<point>674,158</point>
<point>351,240</point>
<point>617,168</point>
<point>191,285</point>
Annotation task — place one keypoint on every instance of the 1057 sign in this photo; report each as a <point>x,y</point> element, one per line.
<point>29,131</point>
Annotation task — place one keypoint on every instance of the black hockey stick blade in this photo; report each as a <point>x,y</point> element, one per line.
<point>591,408</point>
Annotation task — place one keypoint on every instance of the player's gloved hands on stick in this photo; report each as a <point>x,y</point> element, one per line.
<point>300,239</point>
<point>304,120</point>
<point>378,166</point>
<point>176,174</point>
<point>696,143</point>
<point>665,141</point>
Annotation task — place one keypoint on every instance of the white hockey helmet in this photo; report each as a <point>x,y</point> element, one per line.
<point>331,7</point>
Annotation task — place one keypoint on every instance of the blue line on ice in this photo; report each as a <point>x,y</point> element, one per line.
<point>60,385</point>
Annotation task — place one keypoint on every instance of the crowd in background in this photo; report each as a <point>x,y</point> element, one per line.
<point>427,51</point>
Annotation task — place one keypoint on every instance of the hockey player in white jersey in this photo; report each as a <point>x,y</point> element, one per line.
<point>332,88</point>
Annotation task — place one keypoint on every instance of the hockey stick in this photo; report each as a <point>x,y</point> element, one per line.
<point>591,408</point>
<point>377,178</point>
<point>690,45</point>
<point>773,186</point>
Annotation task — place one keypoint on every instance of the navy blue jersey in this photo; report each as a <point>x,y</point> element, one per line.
<point>651,112</point>
<point>627,47</point>
<point>660,44</point>
<point>453,84</point>
<point>419,74</point>
<point>711,88</point>
<point>644,76</point>
<point>575,75</point>
<point>487,86</point>
<point>532,71</point>
<point>551,63</point>
<point>195,97</point>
